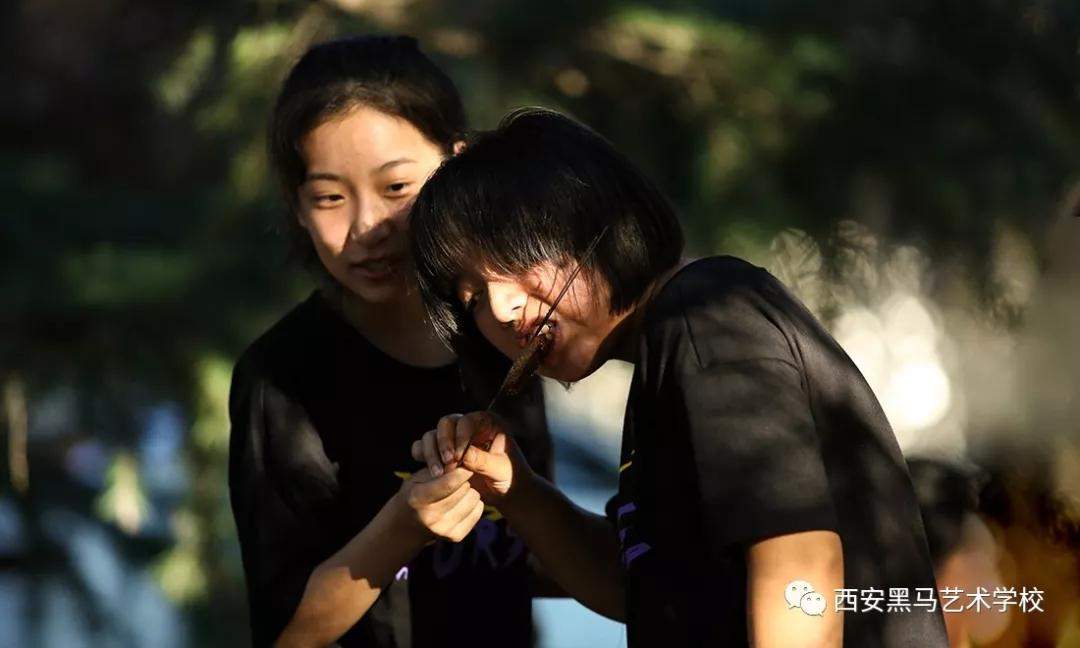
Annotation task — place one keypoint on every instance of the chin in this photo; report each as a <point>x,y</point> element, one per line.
<point>375,293</point>
<point>570,363</point>
<point>565,373</point>
<point>381,295</point>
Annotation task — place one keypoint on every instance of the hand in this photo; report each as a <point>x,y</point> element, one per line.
<point>445,506</point>
<point>495,468</point>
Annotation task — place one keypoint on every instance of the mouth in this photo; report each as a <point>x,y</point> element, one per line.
<point>550,329</point>
<point>377,268</point>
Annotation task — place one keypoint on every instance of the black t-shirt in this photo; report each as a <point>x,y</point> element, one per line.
<point>746,420</point>
<point>322,425</point>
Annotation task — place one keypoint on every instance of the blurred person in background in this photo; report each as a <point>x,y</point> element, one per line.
<point>965,552</point>
<point>336,532</point>
<point>756,459</point>
<point>1036,528</point>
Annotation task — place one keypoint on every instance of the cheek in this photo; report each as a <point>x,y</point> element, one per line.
<point>328,230</point>
<point>499,337</point>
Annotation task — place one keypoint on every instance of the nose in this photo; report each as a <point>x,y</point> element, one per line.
<point>371,223</point>
<point>507,301</point>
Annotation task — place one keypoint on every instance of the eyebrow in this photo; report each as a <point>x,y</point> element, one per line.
<point>322,175</point>
<point>385,166</point>
<point>393,163</point>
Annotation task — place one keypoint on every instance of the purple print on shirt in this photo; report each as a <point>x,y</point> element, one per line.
<point>624,522</point>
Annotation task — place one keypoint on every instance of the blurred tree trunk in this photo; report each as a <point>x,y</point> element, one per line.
<point>14,395</point>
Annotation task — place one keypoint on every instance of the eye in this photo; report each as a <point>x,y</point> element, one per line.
<point>328,200</point>
<point>396,188</point>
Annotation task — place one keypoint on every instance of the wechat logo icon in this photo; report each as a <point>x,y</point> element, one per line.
<point>800,594</point>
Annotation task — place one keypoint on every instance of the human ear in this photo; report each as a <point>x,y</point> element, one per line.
<point>301,218</point>
<point>459,146</point>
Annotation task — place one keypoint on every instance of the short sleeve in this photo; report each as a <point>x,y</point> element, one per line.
<point>283,491</point>
<point>751,430</point>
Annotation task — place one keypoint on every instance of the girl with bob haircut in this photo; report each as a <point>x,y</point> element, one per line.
<point>761,487</point>
<point>341,542</point>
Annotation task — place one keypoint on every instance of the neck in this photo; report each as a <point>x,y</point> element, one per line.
<point>398,328</point>
<point>624,337</point>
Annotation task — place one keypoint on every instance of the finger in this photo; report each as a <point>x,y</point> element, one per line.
<point>462,529</point>
<point>431,498</point>
<point>417,450</point>
<point>442,487</point>
<point>462,509</point>
<point>498,444</point>
<point>431,454</point>
<point>443,519</point>
<point>495,467</point>
<point>445,437</point>
<point>477,428</point>
<point>463,431</point>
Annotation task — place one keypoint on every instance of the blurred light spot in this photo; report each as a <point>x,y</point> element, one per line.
<point>211,427</point>
<point>160,451</point>
<point>795,259</point>
<point>726,155</point>
<point>906,268</point>
<point>87,461</point>
<point>859,332</point>
<point>456,42</point>
<point>123,502</point>
<point>909,328</point>
<point>255,46</point>
<point>1015,270</point>
<point>177,86</point>
<point>180,571</point>
<point>572,82</point>
<point>918,395</point>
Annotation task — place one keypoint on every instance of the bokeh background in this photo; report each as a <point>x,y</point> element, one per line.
<point>909,169</point>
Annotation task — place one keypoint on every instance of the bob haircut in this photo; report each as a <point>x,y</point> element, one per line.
<point>539,188</point>
<point>387,73</point>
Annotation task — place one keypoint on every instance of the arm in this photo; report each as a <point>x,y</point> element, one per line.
<point>286,505</point>
<point>578,549</point>
<point>812,556</point>
<point>343,587</point>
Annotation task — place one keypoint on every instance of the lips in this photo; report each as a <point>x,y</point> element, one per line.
<point>552,327</point>
<point>378,267</point>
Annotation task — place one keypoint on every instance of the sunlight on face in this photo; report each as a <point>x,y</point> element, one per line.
<point>508,309</point>
<point>364,169</point>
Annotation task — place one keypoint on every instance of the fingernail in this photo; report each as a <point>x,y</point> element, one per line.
<point>436,470</point>
<point>447,456</point>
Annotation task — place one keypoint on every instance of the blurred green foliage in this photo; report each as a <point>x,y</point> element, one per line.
<point>138,252</point>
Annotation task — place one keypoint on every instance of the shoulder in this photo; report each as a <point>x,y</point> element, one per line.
<point>712,283</point>
<point>283,346</point>
<point>272,435</point>
<point>278,360</point>
<point>722,309</point>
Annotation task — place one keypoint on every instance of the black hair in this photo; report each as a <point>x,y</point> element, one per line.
<point>388,73</point>
<point>540,188</point>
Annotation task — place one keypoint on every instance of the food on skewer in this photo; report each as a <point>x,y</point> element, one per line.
<point>527,362</point>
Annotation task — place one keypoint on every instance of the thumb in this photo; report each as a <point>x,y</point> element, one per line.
<point>495,467</point>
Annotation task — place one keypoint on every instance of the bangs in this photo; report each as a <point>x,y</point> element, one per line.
<point>461,227</point>
<point>538,189</point>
